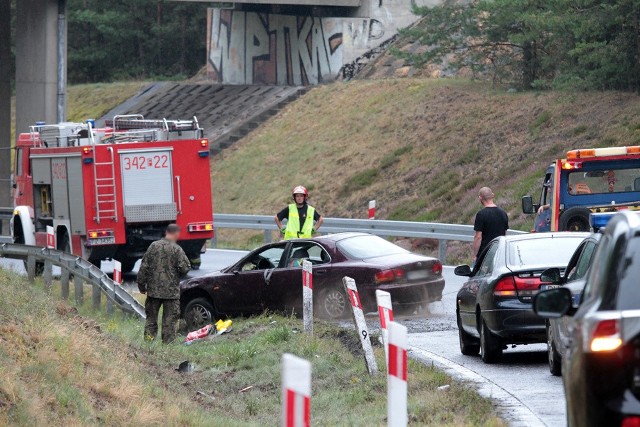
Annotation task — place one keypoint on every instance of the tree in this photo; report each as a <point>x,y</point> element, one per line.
<point>535,43</point>
<point>123,39</point>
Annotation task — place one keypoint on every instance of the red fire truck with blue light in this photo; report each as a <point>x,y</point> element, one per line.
<point>587,181</point>
<point>110,192</point>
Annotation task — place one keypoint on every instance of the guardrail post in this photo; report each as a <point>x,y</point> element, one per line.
<point>64,283</point>
<point>78,291</point>
<point>442,251</point>
<point>48,275</point>
<point>96,295</point>
<point>214,241</point>
<point>268,238</point>
<point>31,268</point>
<point>110,308</point>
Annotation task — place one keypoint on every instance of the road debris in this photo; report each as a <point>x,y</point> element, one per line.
<point>220,327</point>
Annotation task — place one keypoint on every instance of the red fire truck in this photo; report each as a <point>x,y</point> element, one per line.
<point>108,193</point>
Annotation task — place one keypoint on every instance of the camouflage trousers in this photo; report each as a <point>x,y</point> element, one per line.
<point>170,317</point>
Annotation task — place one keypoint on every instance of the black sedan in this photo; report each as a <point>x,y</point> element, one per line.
<point>493,307</point>
<point>270,278</point>
<point>558,330</point>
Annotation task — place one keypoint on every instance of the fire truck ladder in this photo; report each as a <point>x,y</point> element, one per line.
<point>105,187</point>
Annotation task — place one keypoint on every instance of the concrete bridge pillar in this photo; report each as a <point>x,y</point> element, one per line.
<point>37,61</point>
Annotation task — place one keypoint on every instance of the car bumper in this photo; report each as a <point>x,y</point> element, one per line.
<point>516,325</point>
<point>405,294</point>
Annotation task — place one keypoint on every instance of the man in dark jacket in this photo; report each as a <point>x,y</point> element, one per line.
<point>490,222</point>
<point>162,267</point>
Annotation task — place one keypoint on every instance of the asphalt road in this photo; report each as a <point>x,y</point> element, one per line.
<point>521,386</point>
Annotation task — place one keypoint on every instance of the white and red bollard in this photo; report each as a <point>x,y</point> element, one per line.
<point>117,272</point>
<point>51,238</point>
<point>372,209</point>
<point>385,311</point>
<point>397,376</point>
<point>361,325</point>
<point>296,391</point>
<point>307,296</point>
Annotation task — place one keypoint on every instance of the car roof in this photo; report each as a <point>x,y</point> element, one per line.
<point>341,236</point>
<point>546,235</point>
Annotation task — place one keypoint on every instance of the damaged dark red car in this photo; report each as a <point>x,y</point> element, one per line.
<point>270,278</point>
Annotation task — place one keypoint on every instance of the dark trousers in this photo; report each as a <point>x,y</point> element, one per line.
<point>170,316</point>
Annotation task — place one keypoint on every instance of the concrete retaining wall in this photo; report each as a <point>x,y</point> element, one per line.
<point>257,47</point>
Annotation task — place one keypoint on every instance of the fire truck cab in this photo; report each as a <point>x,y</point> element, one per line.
<point>587,181</point>
<point>109,193</point>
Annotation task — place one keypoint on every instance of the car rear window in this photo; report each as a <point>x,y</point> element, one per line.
<point>363,247</point>
<point>548,252</point>
<point>628,274</point>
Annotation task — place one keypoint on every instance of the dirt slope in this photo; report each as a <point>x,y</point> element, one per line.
<point>420,147</point>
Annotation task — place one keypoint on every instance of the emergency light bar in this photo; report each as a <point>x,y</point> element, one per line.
<point>603,152</point>
<point>600,220</point>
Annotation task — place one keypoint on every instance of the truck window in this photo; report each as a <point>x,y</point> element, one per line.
<point>604,181</point>
<point>546,186</point>
<point>18,168</point>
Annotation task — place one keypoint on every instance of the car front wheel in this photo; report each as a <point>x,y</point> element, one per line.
<point>490,345</point>
<point>198,312</point>
<point>332,304</point>
<point>555,361</point>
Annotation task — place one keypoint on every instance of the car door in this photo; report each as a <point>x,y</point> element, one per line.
<point>247,288</point>
<point>468,296</point>
<point>575,279</point>
<point>284,291</point>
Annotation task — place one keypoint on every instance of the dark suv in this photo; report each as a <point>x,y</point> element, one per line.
<point>601,367</point>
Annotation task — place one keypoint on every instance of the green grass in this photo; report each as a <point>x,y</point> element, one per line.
<point>421,148</point>
<point>66,367</point>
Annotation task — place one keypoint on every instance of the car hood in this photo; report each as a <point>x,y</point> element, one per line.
<point>194,281</point>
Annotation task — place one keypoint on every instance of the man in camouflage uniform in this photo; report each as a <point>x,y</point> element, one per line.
<point>162,267</point>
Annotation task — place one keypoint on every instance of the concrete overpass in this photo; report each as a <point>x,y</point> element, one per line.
<point>278,42</point>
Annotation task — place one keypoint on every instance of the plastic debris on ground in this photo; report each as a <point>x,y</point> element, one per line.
<point>220,327</point>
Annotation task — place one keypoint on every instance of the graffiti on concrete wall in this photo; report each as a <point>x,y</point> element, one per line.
<point>261,48</point>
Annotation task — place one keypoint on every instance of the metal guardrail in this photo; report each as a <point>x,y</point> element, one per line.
<point>428,230</point>
<point>82,271</point>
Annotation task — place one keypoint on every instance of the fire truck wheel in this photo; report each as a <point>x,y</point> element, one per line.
<point>575,219</point>
<point>64,244</point>
<point>128,265</point>
<point>198,312</point>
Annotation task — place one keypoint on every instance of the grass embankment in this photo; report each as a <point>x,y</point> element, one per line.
<point>61,367</point>
<point>420,147</point>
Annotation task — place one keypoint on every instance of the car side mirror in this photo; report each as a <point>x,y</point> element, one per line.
<point>527,205</point>
<point>552,303</point>
<point>462,270</point>
<point>551,275</point>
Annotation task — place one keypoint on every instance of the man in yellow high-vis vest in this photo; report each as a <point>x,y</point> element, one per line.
<point>302,219</point>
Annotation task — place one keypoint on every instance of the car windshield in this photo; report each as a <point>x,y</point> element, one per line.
<point>604,181</point>
<point>629,271</point>
<point>363,247</point>
<point>548,252</point>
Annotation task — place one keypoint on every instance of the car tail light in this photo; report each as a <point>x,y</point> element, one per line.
<point>527,286</point>
<point>392,275</point>
<point>633,421</point>
<point>200,226</point>
<point>606,336</point>
<point>437,268</point>
<point>506,287</point>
